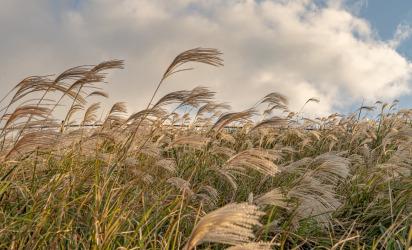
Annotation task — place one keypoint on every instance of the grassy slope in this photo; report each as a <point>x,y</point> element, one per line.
<point>139,183</point>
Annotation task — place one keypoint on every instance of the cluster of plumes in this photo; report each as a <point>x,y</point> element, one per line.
<point>29,118</point>
<point>195,155</point>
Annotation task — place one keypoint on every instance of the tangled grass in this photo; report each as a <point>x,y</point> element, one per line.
<point>185,173</point>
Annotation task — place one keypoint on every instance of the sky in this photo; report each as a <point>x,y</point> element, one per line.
<point>343,52</point>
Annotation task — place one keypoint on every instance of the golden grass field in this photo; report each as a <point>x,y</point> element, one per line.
<point>188,173</point>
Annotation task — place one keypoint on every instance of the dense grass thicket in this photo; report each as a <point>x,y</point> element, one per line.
<point>187,173</point>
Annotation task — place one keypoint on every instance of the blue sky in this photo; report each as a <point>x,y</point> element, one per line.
<point>385,16</point>
<point>340,51</point>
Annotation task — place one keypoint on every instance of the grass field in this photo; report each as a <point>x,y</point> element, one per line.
<point>187,173</point>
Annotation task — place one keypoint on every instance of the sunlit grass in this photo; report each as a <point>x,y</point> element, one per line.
<point>187,173</point>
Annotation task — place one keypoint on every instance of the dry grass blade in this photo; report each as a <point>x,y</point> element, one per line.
<point>232,224</point>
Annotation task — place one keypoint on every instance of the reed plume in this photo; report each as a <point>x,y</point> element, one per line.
<point>232,224</point>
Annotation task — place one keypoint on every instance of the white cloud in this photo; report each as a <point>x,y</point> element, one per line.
<point>355,6</point>
<point>402,33</point>
<point>294,47</point>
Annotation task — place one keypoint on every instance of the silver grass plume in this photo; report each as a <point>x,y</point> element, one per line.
<point>252,246</point>
<point>315,199</point>
<point>255,159</point>
<point>229,118</point>
<point>199,55</point>
<point>208,194</point>
<point>232,224</point>
<point>181,184</point>
<point>116,116</point>
<point>90,114</point>
<point>169,164</point>
<point>271,122</point>
<point>42,140</point>
<point>274,197</point>
<point>212,108</point>
<point>315,190</point>
<point>195,141</point>
<point>274,101</point>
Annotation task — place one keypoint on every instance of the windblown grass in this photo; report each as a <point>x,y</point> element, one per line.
<point>188,173</point>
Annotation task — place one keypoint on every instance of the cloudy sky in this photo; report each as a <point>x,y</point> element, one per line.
<point>340,51</point>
